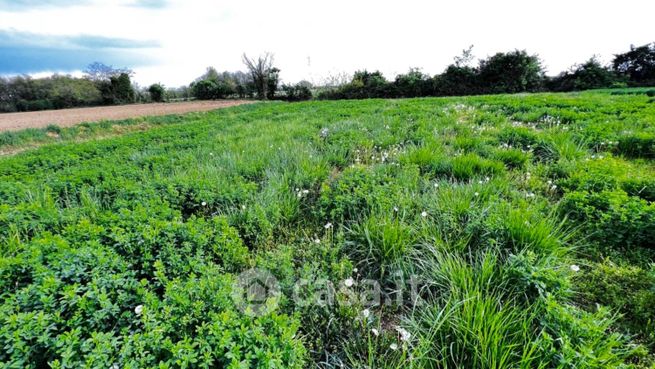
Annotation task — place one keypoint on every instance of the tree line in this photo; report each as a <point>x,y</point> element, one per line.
<point>508,72</point>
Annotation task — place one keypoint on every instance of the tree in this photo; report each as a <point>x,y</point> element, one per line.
<point>157,92</point>
<point>264,75</point>
<point>413,84</point>
<point>99,72</point>
<point>457,80</point>
<point>118,90</point>
<point>466,58</point>
<point>511,72</point>
<point>638,64</point>
<point>299,92</point>
<point>591,74</point>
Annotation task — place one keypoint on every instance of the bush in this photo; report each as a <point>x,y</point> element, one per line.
<point>586,76</point>
<point>511,72</point>
<point>157,92</point>
<point>211,90</point>
<point>117,90</point>
<point>297,92</point>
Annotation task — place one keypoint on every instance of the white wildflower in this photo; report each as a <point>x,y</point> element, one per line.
<point>349,282</point>
<point>393,346</point>
<point>395,209</point>
<point>203,203</point>
<point>366,313</point>
<point>575,268</point>
<point>375,332</point>
<point>404,334</point>
<point>328,225</point>
<point>138,310</point>
<point>476,194</point>
<point>424,214</point>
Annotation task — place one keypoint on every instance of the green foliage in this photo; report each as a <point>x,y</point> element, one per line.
<point>117,90</point>
<point>638,64</point>
<point>586,76</point>
<point>55,92</point>
<point>485,222</point>
<point>157,92</point>
<point>613,218</point>
<point>511,72</point>
<point>210,90</point>
<point>297,92</point>
<point>641,145</point>
<point>628,289</point>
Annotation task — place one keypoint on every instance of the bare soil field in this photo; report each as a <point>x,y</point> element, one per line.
<point>71,117</point>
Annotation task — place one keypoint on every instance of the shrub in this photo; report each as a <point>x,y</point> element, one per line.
<point>298,92</point>
<point>156,92</point>
<point>210,90</point>
<point>511,72</point>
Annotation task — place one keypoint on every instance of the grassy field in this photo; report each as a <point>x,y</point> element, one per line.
<point>481,232</point>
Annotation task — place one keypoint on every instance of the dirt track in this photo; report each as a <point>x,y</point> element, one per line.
<point>71,117</point>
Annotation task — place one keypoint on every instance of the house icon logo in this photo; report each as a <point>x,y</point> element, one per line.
<point>256,292</point>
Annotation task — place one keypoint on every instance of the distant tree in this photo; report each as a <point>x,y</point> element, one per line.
<point>211,74</point>
<point>413,84</point>
<point>67,92</point>
<point>367,84</point>
<point>98,72</point>
<point>457,80</point>
<point>6,104</point>
<point>511,72</point>
<point>211,90</point>
<point>466,59</point>
<point>264,75</point>
<point>118,90</point>
<point>272,83</point>
<point>298,92</point>
<point>637,65</point>
<point>591,74</point>
<point>157,92</point>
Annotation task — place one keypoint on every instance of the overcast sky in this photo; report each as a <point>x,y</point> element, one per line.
<point>173,41</point>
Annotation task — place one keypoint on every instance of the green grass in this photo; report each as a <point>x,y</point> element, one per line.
<point>509,231</point>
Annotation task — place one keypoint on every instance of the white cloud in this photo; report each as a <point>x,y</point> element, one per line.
<point>344,35</point>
